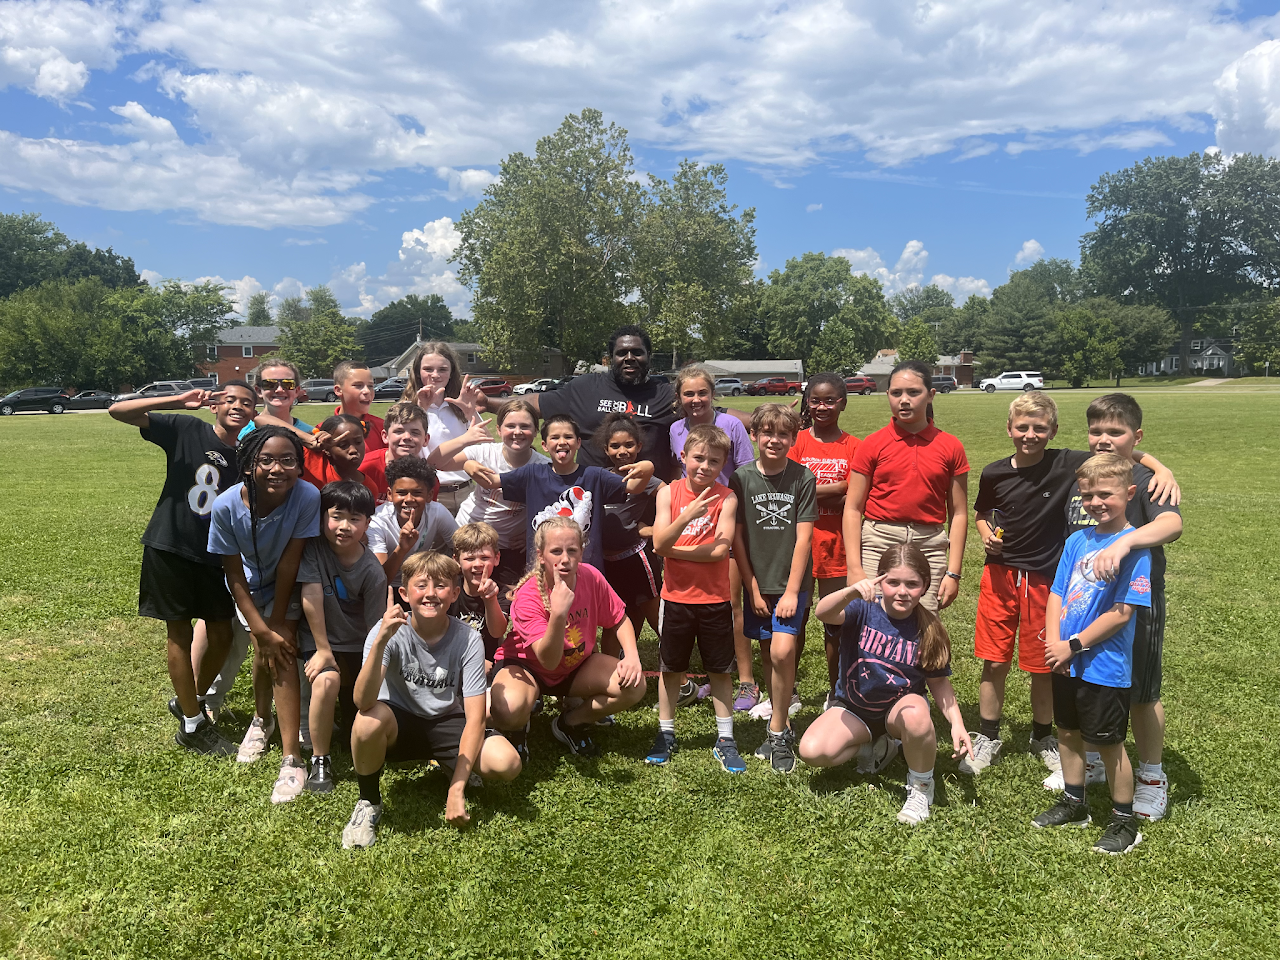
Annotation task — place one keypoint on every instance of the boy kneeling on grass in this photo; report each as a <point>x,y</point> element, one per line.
<point>1089,626</point>
<point>421,697</point>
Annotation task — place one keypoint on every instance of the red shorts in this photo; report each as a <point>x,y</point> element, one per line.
<point>1012,603</point>
<point>828,548</point>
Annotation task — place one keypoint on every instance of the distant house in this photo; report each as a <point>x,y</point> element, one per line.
<point>1209,357</point>
<point>881,365</point>
<point>749,370</point>
<point>472,361</point>
<point>238,350</point>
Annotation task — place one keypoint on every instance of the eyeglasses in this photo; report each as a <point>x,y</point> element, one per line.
<point>815,402</point>
<point>266,462</point>
<point>287,384</point>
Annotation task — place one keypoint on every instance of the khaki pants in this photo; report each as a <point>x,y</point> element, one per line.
<point>931,538</point>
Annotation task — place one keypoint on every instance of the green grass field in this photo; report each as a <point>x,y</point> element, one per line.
<point>115,843</point>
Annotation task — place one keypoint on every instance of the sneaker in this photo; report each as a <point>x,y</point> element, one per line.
<point>608,721</point>
<point>320,779</point>
<point>576,739</point>
<point>765,750</point>
<point>1046,748</point>
<point>919,800</point>
<point>985,752</point>
<point>875,756</point>
<point>704,691</point>
<point>782,755</point>
<point>726,753</point>
<point>1065,813</point>
<point>746,696</point>
<point>520,740</point>
<point>795,705</point>
<point>664,745</point>
<point>688,694</point>
<point>762,710</point>
<point>1093,773</point>
<point>177,710</point>
<point>1121,835</point>
<point>1150,798</point>
<point>359,832</point>
<point>205,739</point>
<point>537,706</point>
<point>254,744</point>
<point>292,780</point>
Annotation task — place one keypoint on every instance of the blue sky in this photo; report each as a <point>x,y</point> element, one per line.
<point>275,148</point>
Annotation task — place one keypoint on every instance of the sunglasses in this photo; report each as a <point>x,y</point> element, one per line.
<point>287,384</point>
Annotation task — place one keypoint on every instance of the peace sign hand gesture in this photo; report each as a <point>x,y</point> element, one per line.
<point>699,505</point>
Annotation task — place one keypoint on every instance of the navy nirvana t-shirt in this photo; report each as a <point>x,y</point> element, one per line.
<point>879,660</point>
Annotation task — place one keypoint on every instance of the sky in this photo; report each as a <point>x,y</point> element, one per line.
<point>275,146</point>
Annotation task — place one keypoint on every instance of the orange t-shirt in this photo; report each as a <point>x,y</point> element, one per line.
<point>318,470</point>
<point>829,463</point>
<point>691,581</point>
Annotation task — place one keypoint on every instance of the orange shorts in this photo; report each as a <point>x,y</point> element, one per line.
<point>1011,604</point>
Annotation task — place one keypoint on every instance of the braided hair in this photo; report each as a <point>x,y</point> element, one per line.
<point>537,572</point>
<point>247,458</point>
<point>831,380</point>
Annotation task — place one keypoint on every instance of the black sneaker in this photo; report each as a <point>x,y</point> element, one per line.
<point>1121,835</point>
<point>537,707</point>
<point>726,753</point>
<point>664,745</point>
<point>177,710</point>
<point>783,756</point>
<point>577,739</point>
<point>520,740</point>
<point>688,694</point>
<point>205,739</point>
<point>320,779</point>
<point>1065,813</point>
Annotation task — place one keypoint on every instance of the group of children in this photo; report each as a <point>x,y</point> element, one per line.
<point>430,619</point>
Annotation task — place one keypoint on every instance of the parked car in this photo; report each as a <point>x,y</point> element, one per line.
<point>862,385</point>
<point>204,383</point>
<point>540,385</point>
<point>773,386</point>
<point>944,384</point>
<point>493,386</point>
<point>1014,380</point>
<point>91,400</point>
<point>52,399</point>
<point>160,388</point>
<point>319,390</point>
<point>729,387</point>
<point>390,389</point>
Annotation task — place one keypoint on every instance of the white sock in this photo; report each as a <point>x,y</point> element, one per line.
<point>915,776</point>
<point>189,724</point>
<point>667,726</point>
<point>1151,771</point>
<point>1092,759</point>
<point>724,727</point>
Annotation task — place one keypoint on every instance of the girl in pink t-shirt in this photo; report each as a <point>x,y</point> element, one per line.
<point>551,649</point>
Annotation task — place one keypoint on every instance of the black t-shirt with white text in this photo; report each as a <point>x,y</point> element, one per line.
<point>1142,510</point>
<point>1030,502</point>
<point>200,466</point>
<point>470,610</point>
<point>589,399</point>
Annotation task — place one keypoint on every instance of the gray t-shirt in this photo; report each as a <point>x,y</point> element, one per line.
<point>355,597</point>
<point>431,681</point>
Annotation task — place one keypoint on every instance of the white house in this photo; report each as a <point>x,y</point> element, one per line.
<point>1208,356</point>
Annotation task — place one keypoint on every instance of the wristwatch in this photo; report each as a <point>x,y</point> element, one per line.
<point>1074,642</point>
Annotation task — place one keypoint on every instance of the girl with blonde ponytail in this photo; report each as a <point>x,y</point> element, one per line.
<point>892,648</point>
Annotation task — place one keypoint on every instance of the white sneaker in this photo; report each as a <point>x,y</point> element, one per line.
<point>292,779</point>
<point>762,710</point>
<point>795,705</point>
<point>985,752</point>
<point>359,832</point>
<point>919,799</point>
<point>1093,773</point>
<point>1150,798</point>
<point>254,744</point>
<point>1046,749</point>
<point>875,756</point>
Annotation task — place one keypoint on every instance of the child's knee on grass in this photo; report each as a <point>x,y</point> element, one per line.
<point>832,738</point>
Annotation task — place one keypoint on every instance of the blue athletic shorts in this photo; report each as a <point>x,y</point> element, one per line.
<point>756,628</point>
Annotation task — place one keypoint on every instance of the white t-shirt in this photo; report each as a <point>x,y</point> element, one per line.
<point>435,531</point>
<point>445,423</point>
<point>506,516</point>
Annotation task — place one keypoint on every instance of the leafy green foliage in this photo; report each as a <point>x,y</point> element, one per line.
<point>259,310</point>
<point>1260,339</point>
<point>33,251</point>
<point>912,302</point>
<point>1086,346</point>
<point>398,325</point>
<point>962,328</point>
<point>917,342</point>
<point>314,334</point>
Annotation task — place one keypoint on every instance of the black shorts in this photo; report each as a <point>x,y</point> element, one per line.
<point>426,738</point>
<point>559,689</point>
<point>349,662</point>
<point>637,578</point>
<point>175,588</point>
<point>1148,650</point>
<point>1101,714</point>
<point>709,624</point>
<point>874,723</point>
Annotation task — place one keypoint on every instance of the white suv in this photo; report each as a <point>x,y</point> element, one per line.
<point>1015,380</point>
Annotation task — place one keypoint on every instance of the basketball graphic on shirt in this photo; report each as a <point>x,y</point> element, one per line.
<point>574,503</point>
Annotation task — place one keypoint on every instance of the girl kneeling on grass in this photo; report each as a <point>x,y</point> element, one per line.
<point>890,650</point>
<point>551,649</point>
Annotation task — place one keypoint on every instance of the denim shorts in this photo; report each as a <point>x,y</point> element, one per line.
<point>758,628</point>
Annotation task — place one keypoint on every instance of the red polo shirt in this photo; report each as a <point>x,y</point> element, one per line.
<point>373,427</point>
<point>910,473</point>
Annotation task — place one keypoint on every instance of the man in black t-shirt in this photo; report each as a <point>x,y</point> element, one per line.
<point>181,581</point>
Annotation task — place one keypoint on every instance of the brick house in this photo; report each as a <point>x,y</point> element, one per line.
<point>239,350</point>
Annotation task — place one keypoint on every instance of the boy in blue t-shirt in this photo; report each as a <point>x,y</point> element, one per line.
<point>1089,627</point>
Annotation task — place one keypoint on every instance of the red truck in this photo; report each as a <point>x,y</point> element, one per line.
<point>773,386</point>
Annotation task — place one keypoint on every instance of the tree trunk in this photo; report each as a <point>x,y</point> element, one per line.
<point>1184,348</point>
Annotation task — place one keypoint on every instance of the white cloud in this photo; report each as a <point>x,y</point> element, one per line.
<point>813,208</point>
<point>1247,102</point>
<point>467,183</point>
<point>909,271</point>
<point>1030,252</point>
<point>151,276</point>
<point>49,46</point>
<point>240,290</point>
<point>961,287</point>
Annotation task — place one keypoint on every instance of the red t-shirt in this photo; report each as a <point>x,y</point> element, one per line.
<point>318,470</point>
<point>595,605</point>
<point>374,468</point>
<point>691,581</point>
<point>830,463</point>
<point>373,428</point>
<point>910,473</point>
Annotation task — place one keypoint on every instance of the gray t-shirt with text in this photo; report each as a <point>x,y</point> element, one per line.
<point>431,681</point>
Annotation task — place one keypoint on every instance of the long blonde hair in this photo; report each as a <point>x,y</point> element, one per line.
<point>536,568</point>
<point>440,349</point>
<point>693,371</point>
<point>935,645</point>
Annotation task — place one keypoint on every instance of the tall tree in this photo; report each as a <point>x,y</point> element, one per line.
<point>548,252</point>
<point>1085,346</point>
<point>815,292</point>
<point>1018,327</point>
<point>1146,332</point>
<point>914,300</point>
<point>916,342</point>
<point>1260,339</point>
<point>315,335</point>
<point>962,328</point>
<point>258,313</point>
<point>34,251</point>
<point>743,335</point>
<point>394,328</point>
